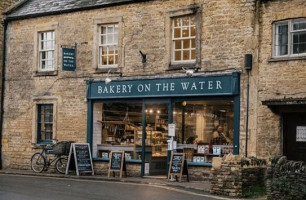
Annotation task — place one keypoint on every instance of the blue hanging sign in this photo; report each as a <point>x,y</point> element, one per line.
<point>165,87</point>
<point>68,59</point>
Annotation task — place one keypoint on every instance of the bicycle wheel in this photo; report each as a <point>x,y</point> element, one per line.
<point>61,165</point>
<point>38,162</point>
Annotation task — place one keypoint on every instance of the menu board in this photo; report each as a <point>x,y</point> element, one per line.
<point>178,166</point>
<point>116,160</point>
<point>177,163</point>
<point>117,163</point>
<point>80,154</point>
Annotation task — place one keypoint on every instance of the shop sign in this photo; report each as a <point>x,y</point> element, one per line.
<point>166,87</point>
<point>68,59</point>
<point>301,133</point>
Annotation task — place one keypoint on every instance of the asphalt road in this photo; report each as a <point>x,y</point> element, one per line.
<point>17,187</point>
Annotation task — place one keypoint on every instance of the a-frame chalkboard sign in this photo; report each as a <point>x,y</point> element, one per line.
<point>117,163</point>
<point>178,166</point>
<point>80,155</point>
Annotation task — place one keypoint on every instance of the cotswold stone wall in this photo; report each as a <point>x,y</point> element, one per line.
<point>4,4</point>
<point>231,177</point>
<point>227,33</point>
<point>277,80</point>
<point>286,179</point>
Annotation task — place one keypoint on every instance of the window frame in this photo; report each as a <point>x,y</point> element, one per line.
<point>181,12</point>
<point>98,22</point>
<point>181,38</point>
<point>42,101</point>
<point>40,122</point>
<point>46,50</point>
<point>108,45</point>
<point>290,34</point>
<point>53,26</point>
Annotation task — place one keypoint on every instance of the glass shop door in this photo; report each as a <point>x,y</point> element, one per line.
<point>156,115</point>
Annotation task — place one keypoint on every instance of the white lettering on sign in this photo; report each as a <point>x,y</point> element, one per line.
<point>112,89</point>
<point>160,87</point>
<point>201,85</point>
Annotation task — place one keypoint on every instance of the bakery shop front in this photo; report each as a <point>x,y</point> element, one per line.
<point>136,115</point>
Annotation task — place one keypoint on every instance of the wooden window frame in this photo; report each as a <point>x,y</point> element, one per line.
<point>194,10</point>
<point>115,35</point>
<point>290,34</point>
<point>43,49</point>
<point>41,122</point>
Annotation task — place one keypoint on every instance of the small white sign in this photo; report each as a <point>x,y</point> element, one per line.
<point>301,133</point>
<point>171,130</point>
<point>147,168</point>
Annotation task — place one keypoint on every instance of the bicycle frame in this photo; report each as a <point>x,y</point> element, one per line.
<point>49,151</point>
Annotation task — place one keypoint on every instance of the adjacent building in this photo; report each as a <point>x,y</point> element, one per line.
<point>221,76</point>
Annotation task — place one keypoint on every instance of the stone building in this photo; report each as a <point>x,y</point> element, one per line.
<point>4,5</point>
<point>115,74</point>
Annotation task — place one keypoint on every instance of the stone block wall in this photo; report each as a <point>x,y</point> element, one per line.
<point>199,173</point>
<point>286,179</point>
<point>277,80</point>
<point>227,33</point>
<point>230,178</point>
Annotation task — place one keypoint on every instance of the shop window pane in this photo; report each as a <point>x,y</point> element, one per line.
<point>117,126</point>
<point>208,123</point>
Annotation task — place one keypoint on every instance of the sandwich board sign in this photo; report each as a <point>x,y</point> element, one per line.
<point>178,166</point>
<point>117,163</point>
<point>80,155</point>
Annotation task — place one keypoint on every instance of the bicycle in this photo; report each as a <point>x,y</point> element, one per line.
<point>41,162</point>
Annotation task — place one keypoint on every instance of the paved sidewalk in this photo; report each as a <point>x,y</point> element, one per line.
<point>194,186</point>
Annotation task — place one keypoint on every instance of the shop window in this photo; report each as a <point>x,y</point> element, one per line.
<point>204,128</point>
<point>46,51</point>
<point>184,39</point>
<point>108,45</point>
<point>290,38</point>
<point>44,123</point>
<point>117,126</point>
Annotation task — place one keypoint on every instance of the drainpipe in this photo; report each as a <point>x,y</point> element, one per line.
<point>4,24</point>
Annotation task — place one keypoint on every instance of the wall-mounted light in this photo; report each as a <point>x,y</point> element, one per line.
<point>108,80</point>
<point>190,72</point>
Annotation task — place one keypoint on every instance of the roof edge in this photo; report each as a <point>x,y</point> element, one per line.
<point>14,7</point>
<point>8,18</point>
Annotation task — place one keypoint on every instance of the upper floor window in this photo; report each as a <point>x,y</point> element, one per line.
<point>108,45</point>
<point>47,51</point>
<point>290,38</point>
<point>44,123</point>
<point>184,39</point>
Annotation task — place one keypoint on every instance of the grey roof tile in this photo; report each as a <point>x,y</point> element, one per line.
<point>43,7</point>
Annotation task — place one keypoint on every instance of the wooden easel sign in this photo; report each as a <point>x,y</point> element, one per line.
<point>178,166</point>
<point>117,163</point>
<point>80,155</point>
